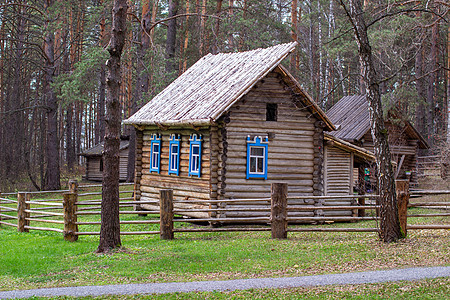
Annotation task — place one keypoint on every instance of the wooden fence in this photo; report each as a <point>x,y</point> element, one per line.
<point>428,165</point>
<point>75,211</point>
<point>441,209</point>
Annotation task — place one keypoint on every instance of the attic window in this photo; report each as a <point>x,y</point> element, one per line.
<point>271,111</point>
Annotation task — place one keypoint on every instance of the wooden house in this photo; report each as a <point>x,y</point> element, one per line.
<point>94,161</point>
<point>351,117</point>
<point>227,128</point>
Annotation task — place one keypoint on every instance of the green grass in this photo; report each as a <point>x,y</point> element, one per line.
<point>38,259</point>
<point>43,259</point>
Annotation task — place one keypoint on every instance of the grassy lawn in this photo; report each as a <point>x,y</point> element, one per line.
<point>43,259</point>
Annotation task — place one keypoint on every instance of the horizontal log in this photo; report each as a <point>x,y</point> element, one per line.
<point>427,227</point>
<point>324,229</point>
<point>44,229</point>
<point>45,221</point>
<point>8,224</point>
<point>417,204</point>
<point>227,229</point>
<point>429,215</point>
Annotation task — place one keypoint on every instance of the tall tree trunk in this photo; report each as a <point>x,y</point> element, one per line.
<point>420,111</point>
<point>215,48</point>
<point>448,86</point>
<point>142,80</point>
<point>52,173</point>
<point>390,230</point>
<point>171,38</point>
<point>100,128</point>
<point>294,33</point>
<point>110,224</point>
<point>432,84</point>
<point>201,40</point>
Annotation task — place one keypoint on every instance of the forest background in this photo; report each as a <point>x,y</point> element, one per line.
<point>53,54</point>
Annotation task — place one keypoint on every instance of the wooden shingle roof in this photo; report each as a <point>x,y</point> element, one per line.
<point>212,85</point>
<point>358,151</point>
<point>97,150</point>
<point>351,117</point>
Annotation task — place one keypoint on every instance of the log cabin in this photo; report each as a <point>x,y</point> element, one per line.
<point>351,117</point>
<point>227,128</point>
<point>94,161</point>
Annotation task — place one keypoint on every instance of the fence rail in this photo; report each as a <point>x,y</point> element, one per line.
<point>76,212</point>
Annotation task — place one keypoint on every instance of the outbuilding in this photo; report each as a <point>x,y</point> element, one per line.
<point>94,161</point>
<point>227,128</point>
<point>351,117</point>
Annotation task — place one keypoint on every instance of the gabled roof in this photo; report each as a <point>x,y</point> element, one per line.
<point>212,85</point>
<point>351,116</point>
<point>97,150</point>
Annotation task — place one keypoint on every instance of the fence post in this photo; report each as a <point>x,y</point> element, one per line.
<point>73,186</point>
<point>278,210</point>
<point>22,215</point>
<point>402,189</point>
<point>166,214</point>
<point>70,217</point>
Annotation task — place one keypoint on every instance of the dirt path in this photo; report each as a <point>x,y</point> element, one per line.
<point>409,274</point>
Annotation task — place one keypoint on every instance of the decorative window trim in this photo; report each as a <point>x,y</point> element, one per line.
<point>174,140</point>
<point>257,142</point>
<point>155,160</point>
<point>195,160</point>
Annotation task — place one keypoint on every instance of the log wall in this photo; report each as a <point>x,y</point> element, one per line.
<point>184,187</point>
<point>291,151</point>
<point>338,179</point>
<point>93,167</point>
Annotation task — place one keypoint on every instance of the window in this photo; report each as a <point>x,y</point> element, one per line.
<point>195,155</point>
<point>101,164</point>
<point>174,154</point>
<point>257,154</point>
<point>155,155</point>
<point>271,111</point>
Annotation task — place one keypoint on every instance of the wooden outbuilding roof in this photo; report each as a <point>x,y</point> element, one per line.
<point>351,117</point>
<point>213,84</point>
<point>97,150</point>
<point>358,151</point>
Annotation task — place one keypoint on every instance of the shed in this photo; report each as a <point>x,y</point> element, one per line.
<point>351,116</point>
<point>342,165</point>
<point>94,161</point>
<point>228,127</point>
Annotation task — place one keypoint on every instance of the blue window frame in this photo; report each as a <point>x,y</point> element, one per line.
<point>195,155</point>
<point>257,155</point>
<point>174,154</point>
<point>155,155</point>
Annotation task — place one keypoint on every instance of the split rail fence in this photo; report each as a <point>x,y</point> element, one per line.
<point>76,212</point>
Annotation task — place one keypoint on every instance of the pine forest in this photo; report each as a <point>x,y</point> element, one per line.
<point>53,74</point>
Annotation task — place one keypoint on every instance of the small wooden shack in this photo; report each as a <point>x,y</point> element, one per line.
<point>227,128</point>
<point>342,165</point>
<point>343,162</point>
<point>351,117</point>
<point>94,161</point>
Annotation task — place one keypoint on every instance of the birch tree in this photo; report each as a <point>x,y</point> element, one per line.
<point>390,230</point>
